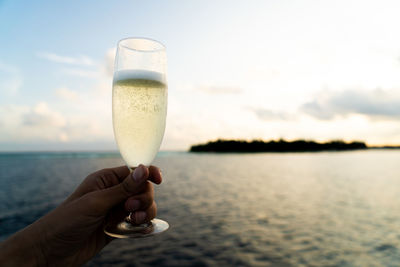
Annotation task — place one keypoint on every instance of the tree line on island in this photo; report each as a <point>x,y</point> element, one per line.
<point>276,146</point>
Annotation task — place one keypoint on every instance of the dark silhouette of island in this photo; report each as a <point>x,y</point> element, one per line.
<point>241,146</point>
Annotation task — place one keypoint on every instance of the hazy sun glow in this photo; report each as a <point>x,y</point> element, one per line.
<point>261,69</point>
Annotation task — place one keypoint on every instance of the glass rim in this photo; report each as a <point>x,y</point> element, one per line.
<point>161,45</point>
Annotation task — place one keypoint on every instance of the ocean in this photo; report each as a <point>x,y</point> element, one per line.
<point>265,209</point>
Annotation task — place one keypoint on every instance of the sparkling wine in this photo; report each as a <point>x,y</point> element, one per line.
<point>139,114</point>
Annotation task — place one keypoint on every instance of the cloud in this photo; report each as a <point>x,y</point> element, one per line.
<point>41,115</point>
<point>22,124</point>
<point>10,79</point>
<point>79,60</point>
<point>104,69</point>
<point>43,124</point>
<point>81,72</point>
<point>377,104</point>
<point>269,115</point>
<point>72,117</point>
<point>220,89</point>
<point>109,61</point>
<point>67,94</point>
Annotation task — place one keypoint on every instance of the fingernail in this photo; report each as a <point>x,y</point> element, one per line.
<point>140,216</point>
<point>134,205</point>
<point>138,173</point>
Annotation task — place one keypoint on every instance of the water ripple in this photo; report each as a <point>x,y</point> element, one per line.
<point>322,209</point>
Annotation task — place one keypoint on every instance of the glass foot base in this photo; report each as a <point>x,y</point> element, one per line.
<point>125,229</point>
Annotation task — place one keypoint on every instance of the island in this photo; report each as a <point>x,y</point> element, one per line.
<point>242,146</point>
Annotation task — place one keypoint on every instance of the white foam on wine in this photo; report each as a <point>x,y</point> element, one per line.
<point>139,74</point>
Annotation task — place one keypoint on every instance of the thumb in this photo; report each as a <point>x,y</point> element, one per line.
<point>131,185</point>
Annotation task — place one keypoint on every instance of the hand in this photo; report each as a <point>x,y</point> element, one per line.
<point>73,232</point>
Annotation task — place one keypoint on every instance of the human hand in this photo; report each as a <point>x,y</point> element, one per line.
<point>73,232</point>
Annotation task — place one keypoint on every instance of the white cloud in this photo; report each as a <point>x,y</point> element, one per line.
<point>81,72</point>
<point>74,118</point>
<point>42,116</point>
<point>10,79</point>
<point>108,66</point>
<point>67,94</point>
<point>42,124</point>
<point>270,115</point>
<point>212,89</point>
<point>31,123</point>
<point>376,104</point>
<point>79,60</point>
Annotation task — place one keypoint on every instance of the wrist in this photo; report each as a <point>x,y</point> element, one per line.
<point>24,248</point>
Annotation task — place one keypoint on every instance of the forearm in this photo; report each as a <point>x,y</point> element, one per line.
<point>22,249</point>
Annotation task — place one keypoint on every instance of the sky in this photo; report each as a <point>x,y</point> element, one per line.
<point>318,70</point>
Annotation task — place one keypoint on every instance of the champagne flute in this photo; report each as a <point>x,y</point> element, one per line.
<point>139,108</point>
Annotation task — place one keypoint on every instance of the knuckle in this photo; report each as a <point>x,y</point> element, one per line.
<point>106,178</point>
<point>100,172</point>
<point>100,182</point>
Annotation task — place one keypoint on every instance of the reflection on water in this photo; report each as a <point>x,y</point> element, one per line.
<point>306,209</point>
